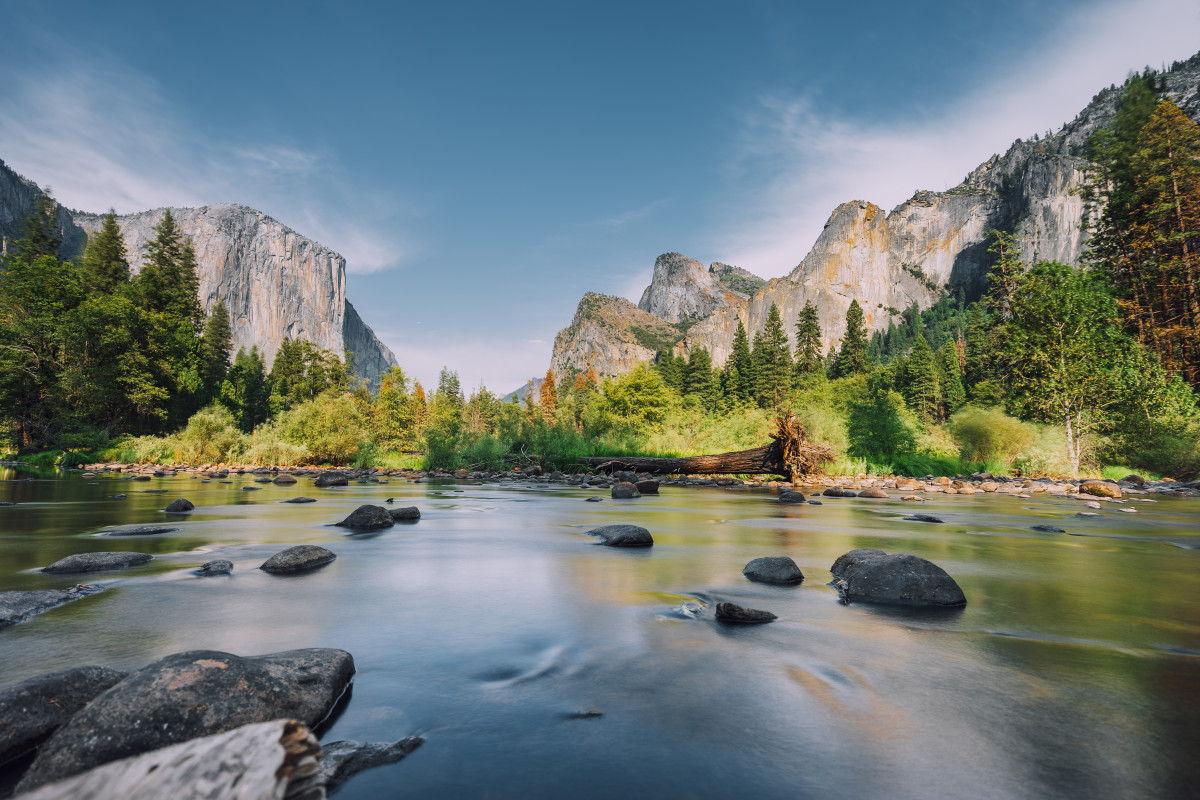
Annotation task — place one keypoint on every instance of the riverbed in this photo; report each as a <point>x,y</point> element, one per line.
<point>537,663</point>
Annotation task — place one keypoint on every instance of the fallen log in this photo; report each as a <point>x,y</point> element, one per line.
<point>789,454</point>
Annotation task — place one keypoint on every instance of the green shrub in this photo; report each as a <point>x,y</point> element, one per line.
<point>268,449</point>
<point>485,453</point>
<point>210,437</point>
<point>1047,455</point>
<point>988,434</point>
<point>330,426</point>
<point>142,450</point>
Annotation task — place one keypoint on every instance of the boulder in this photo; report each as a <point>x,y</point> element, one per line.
<point>833,491</point>
<point>966,490</point>
<point>37,707</point>
<point>341,761</point>
<point>923,518</point>
<point>907,485</point>
<point>218,567</point>
<point>18,606</point>
<point>189,695</point>
<point>94,562</point>
<point>331,479</point>
<point>283,479</point>
<point>728,612</point>
<point>623,536</point>
<point>624,476</point>
<point>647,487</point>
<point>1136,480</point>
<point>301,500</point>
<point>368,518</point>
<point>791,497</point>
<point>1100,489</point>
<point>773,569</point>
<point>140,530</point>
<point>406,514</point>
<point>873,576</point>
<point>988,486</point>
<point>874,493</point>
<point>625,490</point>
<point>1048,529</point>
<point>300,558</point>
<point>180,506</point>
<point>594,499</point>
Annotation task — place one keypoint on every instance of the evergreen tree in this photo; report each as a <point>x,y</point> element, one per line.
<point>548,398</point>
<point>922,390</point>
<point>672,371</point>
<point>949,374</point>
<point>699,378</point>
<point>739,368</point>
<point>593,382</point>
<point>772,358</point>
<point>449,391</point>
<point>808,342</point>
<point>105,267</point>
<point>40,235</point>
<point>218,345</point>
<point>852,358</point>
<point>157,281</point>
<point>978,349</point>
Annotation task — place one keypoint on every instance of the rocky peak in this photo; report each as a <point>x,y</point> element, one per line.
<point>683,289</point>
<point>742,281</point>
<point>611,335</point>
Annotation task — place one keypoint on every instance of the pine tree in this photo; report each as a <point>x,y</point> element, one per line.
<point>548,398</point>
<point>852,358</point>
<point>157,278</point>
<point>105,267</point>
<point>739,369</point>
<point>773,362</point>
<point>808,342</point>
<point>449,391</point>
<point>580,383</point>
<point>186,280</point>
<point>671,370</point>
<point>699,378</point>
<point>40,235</point>
<point>922,391</point>
<point>592,381</point>
<point>218,345</point>
<point>950,379</point>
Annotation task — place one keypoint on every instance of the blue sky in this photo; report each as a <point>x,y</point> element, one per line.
<point>481,165</point>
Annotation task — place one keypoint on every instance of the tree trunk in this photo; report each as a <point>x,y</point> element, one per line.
<point>788,455</point>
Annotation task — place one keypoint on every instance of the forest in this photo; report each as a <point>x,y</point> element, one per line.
<point>1054,370</point>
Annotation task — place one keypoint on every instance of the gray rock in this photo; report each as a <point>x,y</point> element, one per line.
<point>300,558</point>
<point>118,496</point>
<point>18,606</point>
<point>331,479</point>
<point>624,476</point>
<point>791,497</point>
<point>218,567</point>
<point>1048,529</point>
<point>368,518</point>
<point>7,503</point>
<point>140,530</point>
<point>188,695</point>
<point>284,479</point>
<point>873,576</point>
<point>849,493</point>
<point>815,503</point>
<point>594,499</point>
<point>251,488</point>
<point>873,493</point>
<point>623,536</point>
<point>773,569</point>
<point>301,500</point>
<point>408,513</point>
<point>923,518</point>
<point>728,612</point>
<point>340,761</point>
<point>647,487</point>
<point>37,707</point>
<point>180,506</point>
<point>94,562</point>
<point>625,490</point>
<point>833,491</point>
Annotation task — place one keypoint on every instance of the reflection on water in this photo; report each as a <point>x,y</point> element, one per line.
<point>493,622</point>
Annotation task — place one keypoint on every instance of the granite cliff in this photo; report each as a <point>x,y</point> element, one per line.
<point>933,243</point>
<point>275,282</point>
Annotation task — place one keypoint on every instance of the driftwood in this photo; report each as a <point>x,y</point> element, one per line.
<point>264,761</point>
<point>789,454</point>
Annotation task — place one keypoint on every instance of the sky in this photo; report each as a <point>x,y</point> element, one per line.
<point>481,165</point>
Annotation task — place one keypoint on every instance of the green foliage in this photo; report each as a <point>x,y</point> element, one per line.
<point>105,267</point>
<point>217,344</point>
<point>738,377</point>
<point>267,448</point>
<point>772,359</point>
<point>301,371</point>
<point>331,426</point>
<point>881,428</point>
<point>922,388</point>
<point>853,357</point>
<point>210,437</point>
<point>659,340</point>
<point>808,342</point>
<point>990,435</point>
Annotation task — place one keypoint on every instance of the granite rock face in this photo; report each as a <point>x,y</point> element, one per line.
<point>35,708</point>
<point>611,335</point>
<point>683,289</point>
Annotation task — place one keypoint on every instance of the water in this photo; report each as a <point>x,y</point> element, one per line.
<point>490,624</point>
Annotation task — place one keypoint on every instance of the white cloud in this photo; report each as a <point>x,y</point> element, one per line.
<point>801,162</point>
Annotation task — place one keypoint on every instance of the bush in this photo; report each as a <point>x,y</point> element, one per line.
<point>1047,455</point>
<point>882,428</point>
<point>485,453</point>
<point>143,450</point>
<point>330,426</point>
<point>268,449</point>
<point>211,436</point>
<point>988,434</point>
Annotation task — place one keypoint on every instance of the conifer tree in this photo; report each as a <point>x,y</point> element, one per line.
<point>699,379</point>
<point>105,267</point>
<point>672,371</point>
<point>40,235</point>
<point>852,358</point>
<point>218,345</point>
<point>157,278</point>
<point>548,398</point>
<point>739,370</point>
<point>592,381</point>
<point>949,372</point>
<point>922,391</point>
<point>808,341</point>
<point>449,391</point>
<point>773,362</point>
<point>580,383</point>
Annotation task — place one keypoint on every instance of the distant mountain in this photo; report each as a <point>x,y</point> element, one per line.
<point>275,281</point>
<point>933,243</point>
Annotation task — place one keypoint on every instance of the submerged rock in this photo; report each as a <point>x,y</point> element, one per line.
<point>301,500</point>
<point>94,562</point>
<point>189,695</point>
<point>791,497</point>
<point>218,567</point>
<point>773,569</point>
<point>331,479</point>
<point>284,479</point>
<point>833,491</point>
<point>623,536</point>
<point>625,490</point>
<point>341,761</point>
<point>593,499</point>
<point>368,518</point>
<point>872,576</point>
<point>923,518</point>
<point>300,558</point>
<point>1048,529</point>
<point>140,530</point>
<point>180,506</point>
<point>37,707</point>
<point>728,612</point>
<point>18,606</point>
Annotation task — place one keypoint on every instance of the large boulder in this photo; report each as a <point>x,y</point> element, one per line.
<point>300,558</point>
<point>625,490</point>
<point>189,695</point>
<point>94,562</point>
<point>332,479</point>
<point>18,606</point>
<point>368,518</point>
<point>37,707</point>
<point>729,612</point>
<point>180,506</point>
<point>220,566</point>
<point>791,497</point>
<point>834,491</point>
<point>405,514</point>
<point>1100,489</point>
<point>874,493</point>
<point>623,536</point>
<point>647,486</point>
<point>773,569</point>
<point>284,479</point>
<point>872,576</point>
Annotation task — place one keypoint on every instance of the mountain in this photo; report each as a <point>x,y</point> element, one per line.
<point>929,245</point>
<point>275,282</point>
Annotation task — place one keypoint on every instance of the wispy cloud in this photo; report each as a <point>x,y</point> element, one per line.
<point>103,135</point>
<point>800,161</point>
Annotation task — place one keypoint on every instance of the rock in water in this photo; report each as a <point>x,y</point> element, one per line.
<point>1100,489</point>
<point>873,576</point>
<point>284,479</point>
<point>140,530</point>
<point>300,558</point>
<point>791,497</point>
<point>1048,529</point>
<point>94,562</point>
<point>625,490</point>
<point>647,487</point>
<point>833,491</point>
<point>408,513</point>
<point>331,479</point>
<point>18,606</point>
<point>180,506</point>
<point>188,695</point>
<point>301,500</point>
<point>773,569</point>
<point>728,612</point>
<point>623,536</point>
<point>368,518</point>
<point>923,518</point>
<point>218,567</point>
<point>624,476</point>
<point>37,707</point>
<point>875,493</point>
<point>341,761</point>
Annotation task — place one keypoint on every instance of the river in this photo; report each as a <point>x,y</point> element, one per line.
<point>490,624</point>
